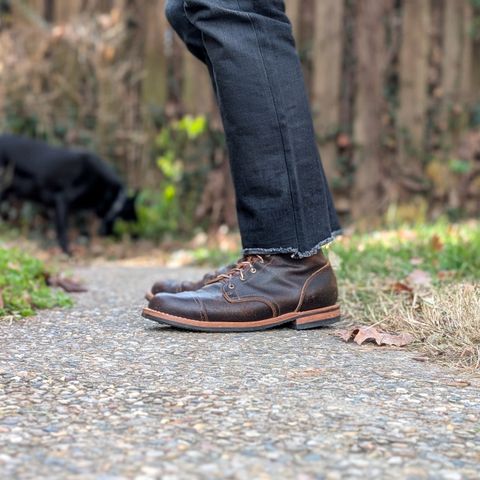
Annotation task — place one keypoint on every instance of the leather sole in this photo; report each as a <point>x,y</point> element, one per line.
<point>320,317</point>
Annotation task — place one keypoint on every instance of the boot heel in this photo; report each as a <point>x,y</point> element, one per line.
<point>322,317</point>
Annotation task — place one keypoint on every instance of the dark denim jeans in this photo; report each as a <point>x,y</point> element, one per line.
<point>283,201</point>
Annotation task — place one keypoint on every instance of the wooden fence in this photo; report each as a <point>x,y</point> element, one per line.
<point>392,84</point>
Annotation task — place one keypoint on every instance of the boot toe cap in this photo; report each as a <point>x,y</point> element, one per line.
<point>184,304</point>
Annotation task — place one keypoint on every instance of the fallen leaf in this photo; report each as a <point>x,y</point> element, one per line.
<point>347,334</point>
<point>419,278</point>
<point>459,383</point>
<point>343,140</point>
<point>397,340</point>
<point>69,285</point>
<point>436,243</point>
<point>362,334</point>
<point>399,287</point>
<point>416,261</point>
<point>446,274</point>
<point>421,359</point>
<point>309,372</point>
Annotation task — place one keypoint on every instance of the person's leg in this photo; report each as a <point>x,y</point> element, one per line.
<point>190,35</point>
<point>284,205</point>
<point>283,200</point>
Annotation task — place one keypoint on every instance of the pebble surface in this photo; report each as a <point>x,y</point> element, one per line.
<point>98,392</point>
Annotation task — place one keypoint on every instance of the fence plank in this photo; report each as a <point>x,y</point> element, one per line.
<point>64,11</point>
<point>466,87</point>
<point>293,12</point>
<point>155,82</point>
<point>197,92</point>
<point>371,50</point>
<point>452,45</point>
<point>414,75</point>
<point>326,76</point>
<point>455,66</point>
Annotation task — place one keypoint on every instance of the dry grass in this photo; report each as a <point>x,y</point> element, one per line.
<point>444,320</point>
<point>424,281</point>
<point>447,322</point>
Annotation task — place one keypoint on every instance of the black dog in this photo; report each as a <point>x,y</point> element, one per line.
<point>65,180</point>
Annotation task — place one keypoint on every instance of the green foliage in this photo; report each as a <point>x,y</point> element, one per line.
<point>158,214</point>
<point>459,166</point>
<point>23,287</point>
<point>208,256</point>
<point>436,249</point>
<point>183,150</point>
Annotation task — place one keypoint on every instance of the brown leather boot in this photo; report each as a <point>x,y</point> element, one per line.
<point>260,292</point>
<point>172,286</point>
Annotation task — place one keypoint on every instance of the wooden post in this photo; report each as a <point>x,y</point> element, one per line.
<point>456,68</point>
<point>293,13</point>
<point>414,77</point>
<point>197,91</point>
<point>467,94</point>
<point>326,76</point>
<point>155,82</point>
<point>64,11</point>
<point>37,5</point>
<point>370,105</point>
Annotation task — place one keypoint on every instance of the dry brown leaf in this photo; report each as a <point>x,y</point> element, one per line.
<point>459,383</point>
<point>436,243</point>
<point>309,372</point>
<point>69,285</point>
<point>416,260</point>
<point>397,339</point>
<point>419,278</point>
<point>399,287</point>
<point>421,359</point>
<point>446,274</point>
<point>362,334</point>
<point>343,140</point>
<point>347,334</point>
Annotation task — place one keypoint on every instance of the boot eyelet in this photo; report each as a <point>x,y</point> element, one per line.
<point>253,270</point>
<point>231,286</point>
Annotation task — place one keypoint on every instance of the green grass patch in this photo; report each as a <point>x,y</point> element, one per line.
<point>23,287</point>
<point>441,249</point>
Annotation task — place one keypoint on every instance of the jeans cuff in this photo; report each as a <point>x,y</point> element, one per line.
<point>295,253</point>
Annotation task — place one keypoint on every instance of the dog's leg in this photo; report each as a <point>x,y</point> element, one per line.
<point>61,223</point>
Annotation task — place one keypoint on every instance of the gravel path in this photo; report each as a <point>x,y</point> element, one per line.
<point>97,392</point>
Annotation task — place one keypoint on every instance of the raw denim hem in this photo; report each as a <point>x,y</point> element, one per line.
<point>294,251</point>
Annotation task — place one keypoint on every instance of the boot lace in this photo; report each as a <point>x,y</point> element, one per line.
<point>240,268</point>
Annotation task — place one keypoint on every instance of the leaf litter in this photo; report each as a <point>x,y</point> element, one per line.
<point>361,334</point>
